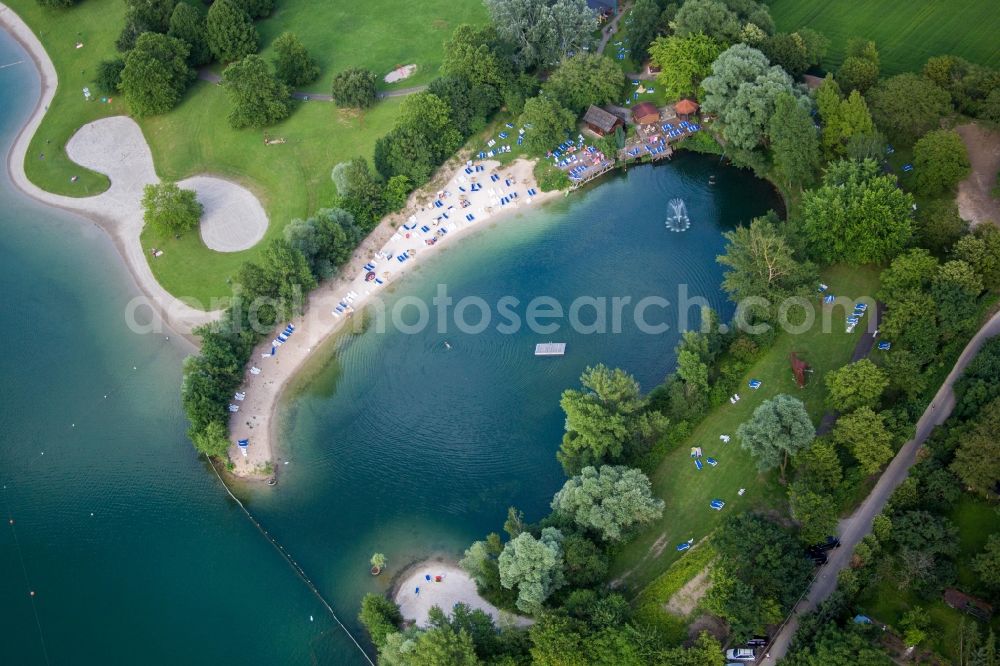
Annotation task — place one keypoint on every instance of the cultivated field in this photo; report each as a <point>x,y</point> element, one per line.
<point>907,32</point>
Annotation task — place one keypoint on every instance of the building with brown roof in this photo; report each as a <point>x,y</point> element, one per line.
<point>685,109</point>
<point>600,121</point>
<point>645,113</point>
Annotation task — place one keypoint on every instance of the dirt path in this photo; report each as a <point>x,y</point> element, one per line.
<point>975,202</point>
<point>686,599</point>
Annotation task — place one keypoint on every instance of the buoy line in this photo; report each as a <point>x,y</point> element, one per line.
<point>24,570</point>
<point>293,564</point>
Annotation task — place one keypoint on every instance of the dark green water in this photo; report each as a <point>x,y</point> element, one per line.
<point>398,445</point>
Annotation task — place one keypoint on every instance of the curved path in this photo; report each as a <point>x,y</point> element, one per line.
<point>206,74</point>
<point>853,529</point>
<point>115,147</point>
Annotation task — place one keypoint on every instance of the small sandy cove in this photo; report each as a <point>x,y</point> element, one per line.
<point>434,583</point>
<point>420,231</point>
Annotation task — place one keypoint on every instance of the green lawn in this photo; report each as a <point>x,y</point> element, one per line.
<point>377,34</point>
<point>687,492</point>
<point>291,180</point>
<point>906,32</point>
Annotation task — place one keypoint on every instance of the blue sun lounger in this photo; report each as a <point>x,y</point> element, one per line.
<point>480,167</point>
<point>907,168</point>
<point>698,464</point>
<point>494,177</point>
<point>681,547</point>
<point>717,504</point>
<point>829,298</point>
<point>861,306</point>
<point>712,461</point>
<point>755,384</point>
<point>470,217</point>
<point>853,320</point>
<point>884,346</point>
<point>379,281</point>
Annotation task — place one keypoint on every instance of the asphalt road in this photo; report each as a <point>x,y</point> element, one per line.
<point>851,530</point>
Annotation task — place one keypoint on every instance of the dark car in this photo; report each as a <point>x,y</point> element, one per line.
<point>758,641</point>
<point>819,559</point>
<point>829,543</point>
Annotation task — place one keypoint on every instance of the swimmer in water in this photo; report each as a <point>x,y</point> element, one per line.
<point>447,345</point>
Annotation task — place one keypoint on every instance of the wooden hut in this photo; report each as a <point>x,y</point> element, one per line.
<point>685,109</point>
<point>600,121</point>
<point>645,113</point>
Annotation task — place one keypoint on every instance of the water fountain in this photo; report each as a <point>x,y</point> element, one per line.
<point>678,219</point>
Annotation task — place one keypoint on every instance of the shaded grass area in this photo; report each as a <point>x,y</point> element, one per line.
<point>291,179</point>
<point>377,34</point>
<point>887,602</point>
<point>906,32</point>
<point>687,491</point>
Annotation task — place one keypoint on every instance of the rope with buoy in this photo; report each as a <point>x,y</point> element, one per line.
<point>24,570</point>
<point>293,564</point>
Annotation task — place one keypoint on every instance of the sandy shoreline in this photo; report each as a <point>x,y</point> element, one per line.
<point>257,419</point>
<point>443,584</point>
<point>117,214</point>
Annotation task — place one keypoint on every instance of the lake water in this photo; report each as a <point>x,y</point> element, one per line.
<point>397,444</point>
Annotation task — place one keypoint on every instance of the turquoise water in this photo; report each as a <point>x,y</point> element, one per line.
<point>166,570</point>
<point>397,444</point>
<point>405,446</point>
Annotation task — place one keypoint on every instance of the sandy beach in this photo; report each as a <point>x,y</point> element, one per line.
<point>436,583</point>
<point>403,234</point>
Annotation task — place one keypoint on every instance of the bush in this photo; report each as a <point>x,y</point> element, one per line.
<point>294,65</point>
<point>229,31</point>
<point>549,177</point>
<point>940,161</point>
<point>355,88</point>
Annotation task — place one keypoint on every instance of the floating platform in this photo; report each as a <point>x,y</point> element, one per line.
<point>550,349</point>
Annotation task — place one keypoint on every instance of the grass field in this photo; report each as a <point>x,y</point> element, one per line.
<point>906,32</point>
<point>688,492</point>
<point>377,34</point>
<point>292,179</point>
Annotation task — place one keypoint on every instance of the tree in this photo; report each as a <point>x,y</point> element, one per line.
<point>987,563</point>
<point>815,512</point>
<point>355,87</point>
<point>977,459</point>
<point>229,31</point>
<point>465,106</point>
<point>292,63</point>
<point>844,120</point>
<point>152,15</point>
<point>683,62</point>
<point>956,288</point>
<point>645,25</point>
<point>609,501</point>
<point>606,420</point>
<point>863,432</point>
<point>551,123</point>
<point>257,8</point>
<point>361,192</point>
<point>473,54</point>
<point>477,624</point>
<point>708,17</point>
<point>760,263</point>
<point>534,567</point>
<point>746,120</point>
<point>109,75</point>
<point>816,45</point>
<point>278,284</point>
<point>939,226</point>
<point>155,74</point>
<point>325,240</point>
<point>818,467</point>
<point>858,74</point>
<point>907,106</point>
<point>585,562</point>
<point>443,646</point>
<point>585,79</point>
<point>794,143</point>
<point>542,31</point>
<point>787,51</point>
<point>258,98</point>
<point>858,384</point>
<point>981,250</point>
<point>168,209</point>
<point>187,23</point>
<point>910,272</point>
<point>940,161</point>
<point>735,66</point>
<point>213,440</point>
<point>857,215</point>
<point>836,646</point>
<point>380,616</point>
<point>780,427</point>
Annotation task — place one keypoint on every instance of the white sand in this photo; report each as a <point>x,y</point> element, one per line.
<point>400,73</point>
<point>455,587</point>
<point>233,219</point>
<point>115,147</point>
<point>256,419</point>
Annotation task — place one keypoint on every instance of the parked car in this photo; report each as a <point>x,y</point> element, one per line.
<point>758,641</point>
<point>829,543</point>
<point>819,559</point>
<point>741,654</point>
